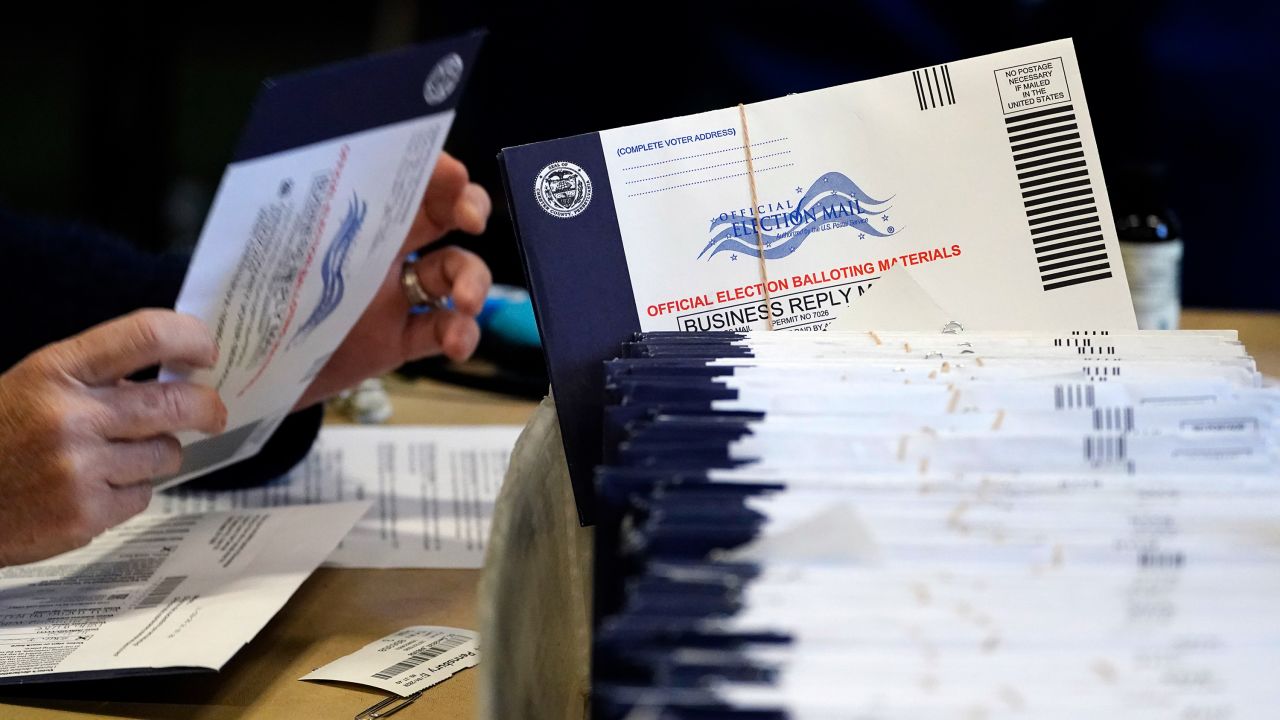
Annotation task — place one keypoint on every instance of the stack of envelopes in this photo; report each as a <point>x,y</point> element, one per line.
<point>938,525</point>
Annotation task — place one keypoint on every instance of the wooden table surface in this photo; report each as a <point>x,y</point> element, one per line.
<point>335,612</point>
<point>1260,332</point>
<point>339,610</point>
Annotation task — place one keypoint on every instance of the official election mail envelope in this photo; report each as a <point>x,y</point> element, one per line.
<point>976,182</point>
<point>311,211</point>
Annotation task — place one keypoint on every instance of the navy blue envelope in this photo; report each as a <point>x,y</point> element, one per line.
<point>292,111</point>
<point>581,290</point>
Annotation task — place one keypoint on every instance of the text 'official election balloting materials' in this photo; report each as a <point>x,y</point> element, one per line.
<point>977,182</point>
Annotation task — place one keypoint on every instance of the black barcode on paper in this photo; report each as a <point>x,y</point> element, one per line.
<point>1105,450</point>
<point>1118,419</point>
<point>160,592</point>
<point>1067,397</point>
<point>1100,373</point>
<point>933,87</point>
<point>430,652</point>
<point>1048,156</point>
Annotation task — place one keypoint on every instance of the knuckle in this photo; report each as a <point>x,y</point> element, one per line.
<point>147,329</point>
<point>172,402</point>
<point>97,418</point>
<point>67,423</point>
<point>66,469</point>
<point>458,256</point>
<point>63,423</point>
<point>74,415</point>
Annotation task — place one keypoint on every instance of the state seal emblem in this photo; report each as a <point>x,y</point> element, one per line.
<point>563,189</point>
<point>443,79</point>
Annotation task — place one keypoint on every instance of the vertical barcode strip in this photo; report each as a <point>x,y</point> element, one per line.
<point>1073,396</point>
<point>1062,213</point>
<point>434,650</point>
<point>1104,450</point>
<point>160,592</point>
<point>933,87</point>
<point>1113,419</point>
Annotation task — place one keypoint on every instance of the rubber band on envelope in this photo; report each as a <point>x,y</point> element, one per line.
<point>755,213</point>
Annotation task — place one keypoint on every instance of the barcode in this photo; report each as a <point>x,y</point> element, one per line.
<point>160,592</point>
<point>1105,450</point>
<point>1066,233</point>
<point>1100,373</point>
<point>1099,350</point>
<point>1084,346</point>
<point>1113,419</point>
<point>933,87</point>
<point>1156,558</point>
<point>1072,396</point>
<point>430,652</point>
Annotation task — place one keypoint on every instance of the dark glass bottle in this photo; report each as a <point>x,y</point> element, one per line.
<point>1151,246</point>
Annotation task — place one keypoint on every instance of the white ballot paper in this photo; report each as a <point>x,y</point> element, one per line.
<point>157,594</point>
<point>915,525</point>
<point>308,218</point>
<point>433,490</point>
<point>406,661</point>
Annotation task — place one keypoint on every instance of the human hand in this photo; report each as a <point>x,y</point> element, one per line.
<point>386,336</point>
<point>81,444</point>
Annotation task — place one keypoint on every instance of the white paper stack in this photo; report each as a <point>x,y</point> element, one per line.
<point>939,525</point>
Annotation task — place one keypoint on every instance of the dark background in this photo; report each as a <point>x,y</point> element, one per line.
<point>122,115</point>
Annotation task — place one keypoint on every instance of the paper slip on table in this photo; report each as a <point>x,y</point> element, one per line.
<point>339,610</point>
<point>335,612</point>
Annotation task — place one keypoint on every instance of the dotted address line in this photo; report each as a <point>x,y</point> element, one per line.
<point>700,182</point>
<point>708,167</point>
<point>713,152</point>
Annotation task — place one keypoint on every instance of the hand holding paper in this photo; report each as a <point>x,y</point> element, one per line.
<point>81,443</point>
<point>386,336</point>
<point>306,238</point>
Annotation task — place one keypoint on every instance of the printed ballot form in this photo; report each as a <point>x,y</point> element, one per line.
<point>313,208</point>
<point>175,593</point>
<point>432,490</point>
<point>976,183</point>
